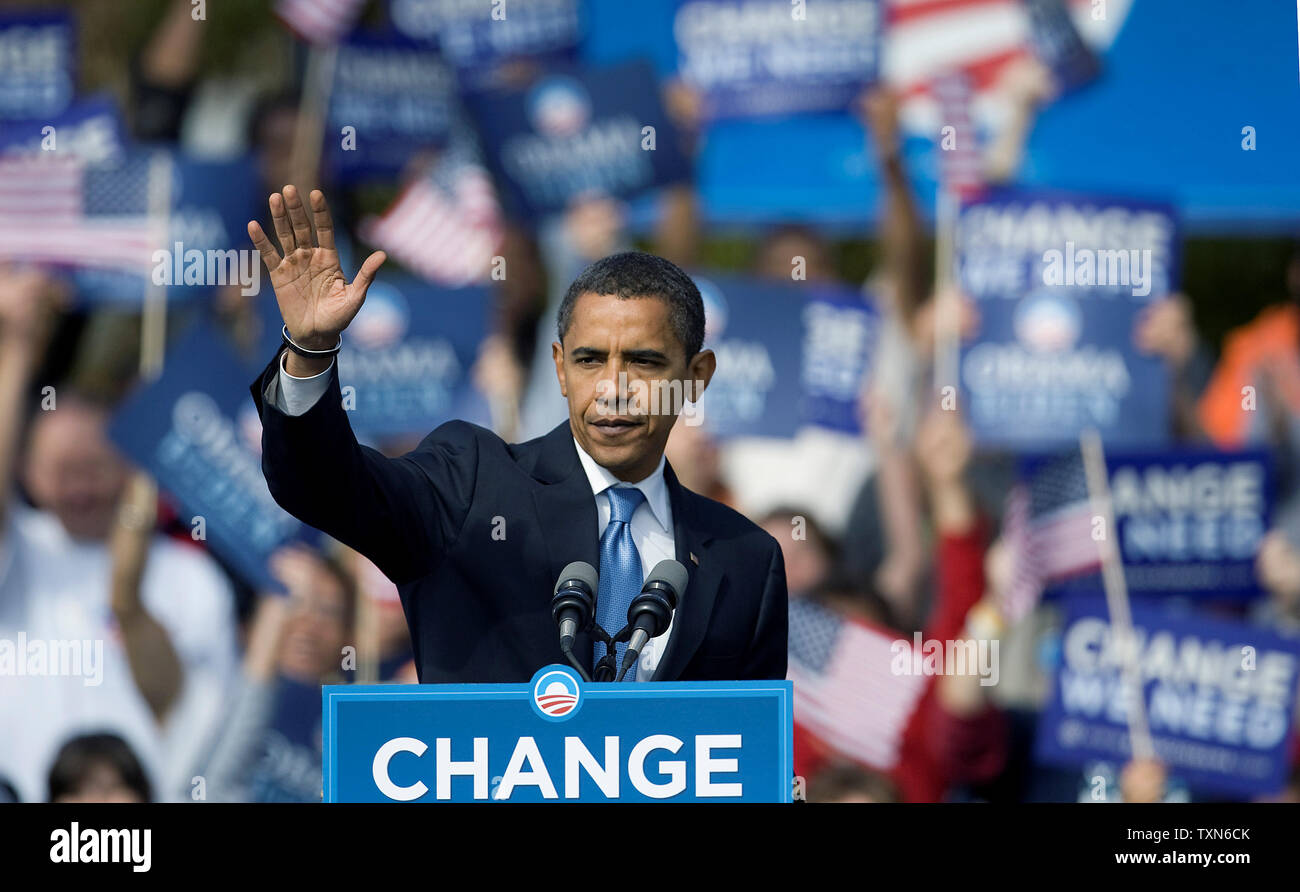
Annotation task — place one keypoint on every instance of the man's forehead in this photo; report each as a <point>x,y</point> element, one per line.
<point>647,317</point>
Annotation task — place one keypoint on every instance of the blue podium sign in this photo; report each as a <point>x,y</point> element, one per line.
<point>559,739</point>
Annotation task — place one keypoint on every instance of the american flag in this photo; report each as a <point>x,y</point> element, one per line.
<point>1049,529</point>
<point>960,168</point>
<point>845,692</point>
<point>927,38</point>
<point>321,22</point>
<point>57,210</point>
<point>445,226</point>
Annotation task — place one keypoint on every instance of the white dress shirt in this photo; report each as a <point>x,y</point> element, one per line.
<point>651,525</point>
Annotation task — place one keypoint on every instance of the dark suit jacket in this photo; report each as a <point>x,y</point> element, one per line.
<point>478,604</point>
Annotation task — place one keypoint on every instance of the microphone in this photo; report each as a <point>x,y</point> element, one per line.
<point>650,612</point>
<point>573,605</point>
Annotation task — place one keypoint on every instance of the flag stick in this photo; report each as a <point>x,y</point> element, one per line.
<point>1117,602</point>
<point>153,318</point>
<point>308,138</point>
<point>946,307</point>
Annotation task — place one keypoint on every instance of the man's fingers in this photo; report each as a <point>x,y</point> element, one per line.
<point>280,219</point>
<point>366,274</point>
<point>321,216</point>
<point>263,245</point>
<point>298,217</point>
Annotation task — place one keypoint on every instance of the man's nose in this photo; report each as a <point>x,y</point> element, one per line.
<point>613,384</point>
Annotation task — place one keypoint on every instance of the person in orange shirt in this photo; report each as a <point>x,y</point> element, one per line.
<point>1254,393</point>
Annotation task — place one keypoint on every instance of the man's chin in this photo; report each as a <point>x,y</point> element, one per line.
<point>618,451</point>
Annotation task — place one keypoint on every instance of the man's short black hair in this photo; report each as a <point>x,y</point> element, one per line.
<point>637,274</point>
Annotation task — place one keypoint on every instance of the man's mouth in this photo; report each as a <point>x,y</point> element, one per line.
<point>614,427</point>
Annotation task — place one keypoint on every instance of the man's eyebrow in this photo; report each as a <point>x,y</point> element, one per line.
<point>645,354</point>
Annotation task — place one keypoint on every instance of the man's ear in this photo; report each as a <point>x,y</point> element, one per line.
<point>701,369</point>
<point>557,353</point>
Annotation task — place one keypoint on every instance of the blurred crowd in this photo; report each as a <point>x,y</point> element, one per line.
<point>207,689</point>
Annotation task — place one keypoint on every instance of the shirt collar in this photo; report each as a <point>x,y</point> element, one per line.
<point>653,487</point>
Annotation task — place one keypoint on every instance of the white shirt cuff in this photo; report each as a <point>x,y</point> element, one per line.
<point>294,396</point>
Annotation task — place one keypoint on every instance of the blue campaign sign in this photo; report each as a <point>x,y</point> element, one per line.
<point>840,333</point>
<point>207,243</point>
<point>477,38</point>
<point>399,98</point>
<point>1058,280</point>
<point>1219,697</point>
<point>38,65</point>
<point>559,739</point>
<point>754,58</point>
<point>1191,523</point>
<point>404,367</point>
<point>789,354</point>
<point>576,131</point>
<point>753,326</point>
<point>197,433</point>
<point>89,129</point>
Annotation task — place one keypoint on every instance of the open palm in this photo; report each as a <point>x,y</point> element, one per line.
<point>316,301</point>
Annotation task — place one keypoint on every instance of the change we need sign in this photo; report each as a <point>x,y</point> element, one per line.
<point>197,432</point>
<point>1058,280</point>
<point>1191,523</point>
<point>753,58</point>
<point>1219,697</point>
<point>397,97</point>
<point>478,39</point>
<point>558,739</point>
<point>578,131</point>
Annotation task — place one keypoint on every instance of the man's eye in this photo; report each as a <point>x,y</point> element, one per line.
<point>587,360</point>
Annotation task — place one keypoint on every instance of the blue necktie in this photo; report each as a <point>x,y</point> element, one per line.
<point>620,569</point>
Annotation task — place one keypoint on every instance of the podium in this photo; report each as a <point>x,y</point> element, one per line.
<point>559,739</point>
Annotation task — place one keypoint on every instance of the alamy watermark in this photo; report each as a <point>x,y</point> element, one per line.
<point>966,656</point>
<point>659,396</point>
<point>180,266</point>
<point>1108,268</point>
<point>70,658</point>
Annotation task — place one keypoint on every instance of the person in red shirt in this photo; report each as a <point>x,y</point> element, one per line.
<point>955,734</point>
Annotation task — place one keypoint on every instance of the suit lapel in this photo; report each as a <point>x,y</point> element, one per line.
<point>567,512</point>
<point>691,620</point>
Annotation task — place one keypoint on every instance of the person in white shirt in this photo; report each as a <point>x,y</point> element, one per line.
<point>76,638</point>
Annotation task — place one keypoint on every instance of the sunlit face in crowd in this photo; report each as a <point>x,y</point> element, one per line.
<point>1278,568</point>
<point>623,371</point>
<point>777,257</point>
<point>694,457</point>
<point>72,470</point>
<point>317,627</point>
<point>101,783</point>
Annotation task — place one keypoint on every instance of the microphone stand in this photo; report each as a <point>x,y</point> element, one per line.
<point>606,668</point>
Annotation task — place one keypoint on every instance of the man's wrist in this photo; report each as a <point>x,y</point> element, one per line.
<point>297,366</point>
<point>316,342</point>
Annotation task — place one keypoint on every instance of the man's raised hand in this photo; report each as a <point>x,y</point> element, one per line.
<point>315,300</point>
